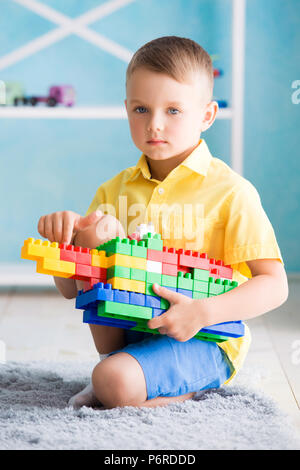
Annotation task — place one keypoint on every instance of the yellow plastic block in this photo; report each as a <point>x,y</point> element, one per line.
<point>36,249</point>
<point>55,267</point>
<point>119,260</point>
<point>99,258</point>
<point>126,261</point>
<point>127,284</point>
<point>138,263</point>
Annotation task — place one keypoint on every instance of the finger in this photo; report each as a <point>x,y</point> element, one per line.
<point>157,322</point>
<point>163,331</point>
<point>83,222</point>
<point>57,227</point>
<point>41,226</point>
<point>166,293</point>
<point>67,229</point>
<point>49,228</point>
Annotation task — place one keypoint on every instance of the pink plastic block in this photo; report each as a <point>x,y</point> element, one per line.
<point>193,259</point>
<point>170,269</point>
<point>154,255</point>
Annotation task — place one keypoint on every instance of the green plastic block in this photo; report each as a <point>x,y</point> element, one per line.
<point>215,286</point>
<point>153,241</point>
<point>116,245</point>
<point>138,248</point>
<point>149,290</point>
<point>153,277</point>
<point>229,285</point>
<point>168,281</point>
<point>138,274</point>
<point>164,303</point>
<point>184,280</point>
<point>200,274</point>
<point>118,271</point>
<point>199,295</point>
<point>122,309</point>
<point>200,286</point>
<point>209,337</point>
<point>145,329</point>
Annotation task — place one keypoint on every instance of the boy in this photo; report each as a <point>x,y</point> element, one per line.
<point>169,86</point>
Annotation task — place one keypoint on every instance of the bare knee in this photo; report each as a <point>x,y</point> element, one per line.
<point>118,380</point>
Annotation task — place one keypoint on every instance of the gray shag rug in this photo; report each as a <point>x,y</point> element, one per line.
<point>34,415</point>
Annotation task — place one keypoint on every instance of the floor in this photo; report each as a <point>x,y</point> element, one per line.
<point>41,325</point>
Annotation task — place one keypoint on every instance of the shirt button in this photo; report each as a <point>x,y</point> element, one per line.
<point>161,190</point>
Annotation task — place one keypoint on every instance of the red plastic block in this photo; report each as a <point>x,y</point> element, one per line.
<point>224,269</point>
<point>154,255</point>
<point>184,269</point>
<point>76,254</point>
<point>170,269</point>
<point>83,255</point>
<point>67,252</point>
<point>88,284</point>
<point>169,255</point>
<point>82,271</point>
<point>214,272</point>
<point>193,259</point>
<point>98,272</point>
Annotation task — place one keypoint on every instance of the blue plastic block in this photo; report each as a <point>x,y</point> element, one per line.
<point>152,301</point>
<point>100,291</point>
<point>188,293</point>
<point>233,329</point>
<point>121,296</point>
<point>157,311</point>
<point>90,316</point>
<point>136,298</point>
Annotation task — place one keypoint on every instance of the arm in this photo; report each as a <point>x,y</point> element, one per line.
<point>265,291</point>
<point>268,289</point>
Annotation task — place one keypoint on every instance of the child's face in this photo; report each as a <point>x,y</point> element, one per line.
<point>166,117</point>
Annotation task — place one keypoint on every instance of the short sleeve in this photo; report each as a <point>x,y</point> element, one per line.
<point>249,234</point>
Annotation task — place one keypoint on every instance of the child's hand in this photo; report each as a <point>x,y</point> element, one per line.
<point>62,226</point>
<point>184,318</point>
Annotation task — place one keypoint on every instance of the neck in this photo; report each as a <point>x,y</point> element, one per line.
<point>160,169</point>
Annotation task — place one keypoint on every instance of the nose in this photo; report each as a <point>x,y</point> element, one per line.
<point>155,122</point>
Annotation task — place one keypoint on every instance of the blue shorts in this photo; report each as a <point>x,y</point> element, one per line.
<point>173,368</point>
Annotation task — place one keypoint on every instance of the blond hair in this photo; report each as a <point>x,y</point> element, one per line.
<point>173,56</point>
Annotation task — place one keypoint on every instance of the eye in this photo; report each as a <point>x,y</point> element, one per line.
<point>173,111</point>
<point>140,109</point>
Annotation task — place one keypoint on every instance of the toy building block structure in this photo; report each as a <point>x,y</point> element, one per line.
<point>118,277</point>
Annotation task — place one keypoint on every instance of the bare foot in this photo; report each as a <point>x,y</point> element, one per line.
<point>85,398</point>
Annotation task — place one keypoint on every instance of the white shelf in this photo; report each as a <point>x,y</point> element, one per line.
<point>43,112</point>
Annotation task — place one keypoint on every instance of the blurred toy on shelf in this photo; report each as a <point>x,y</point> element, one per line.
<point>58,94</point>
<point>14,93</point>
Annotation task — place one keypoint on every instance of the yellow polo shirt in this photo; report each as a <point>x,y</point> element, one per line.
<point>202,205</point>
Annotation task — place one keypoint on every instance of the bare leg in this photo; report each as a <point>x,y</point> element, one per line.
<point>119,381</point>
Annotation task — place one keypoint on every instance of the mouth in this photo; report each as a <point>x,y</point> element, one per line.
<point>156,142</point>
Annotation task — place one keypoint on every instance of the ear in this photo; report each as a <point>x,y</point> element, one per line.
<point>210,114</point>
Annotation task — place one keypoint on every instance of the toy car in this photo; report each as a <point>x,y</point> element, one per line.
<point>63,94</point>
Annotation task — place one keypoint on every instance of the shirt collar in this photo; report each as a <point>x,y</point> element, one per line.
<point>198,161</point>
